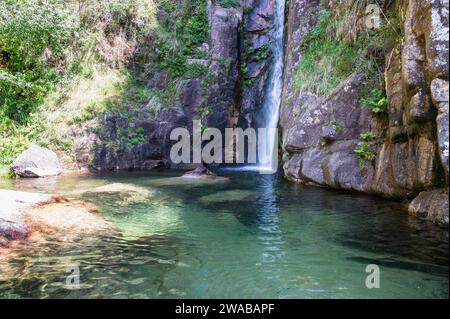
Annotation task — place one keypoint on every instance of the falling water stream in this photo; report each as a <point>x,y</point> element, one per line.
<point>272,103</point>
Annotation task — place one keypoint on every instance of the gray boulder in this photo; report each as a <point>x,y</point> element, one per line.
<point>431,205</point>
<point>37,162</point>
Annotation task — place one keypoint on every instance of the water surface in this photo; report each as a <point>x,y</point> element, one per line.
<point>253,236</point>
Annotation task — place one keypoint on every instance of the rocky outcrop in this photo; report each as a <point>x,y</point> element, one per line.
<point>320,138</point>
<point>255,60</point>
<point>125,144</point>
<point>23,214</point>
<point>138,139</point>
<point>431,205</point>
<point>11,219</point>
<point>223,80</point>
<point>407,155</point>
<point>440,95</point>
<point>37,162</point>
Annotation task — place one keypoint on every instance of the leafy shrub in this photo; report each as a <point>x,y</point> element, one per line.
<point>136,136</point>
<point>32,40</point>
<point>376,100</point>
<point>368,137</point>
<point>364,154</point>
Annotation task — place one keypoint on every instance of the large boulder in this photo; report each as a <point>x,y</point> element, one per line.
<point>432,206</point>
<point>37,162</point>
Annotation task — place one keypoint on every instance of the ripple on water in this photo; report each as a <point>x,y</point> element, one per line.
<point>250,237</point>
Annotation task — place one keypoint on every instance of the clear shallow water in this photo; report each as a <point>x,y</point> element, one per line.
<point>252,237</point>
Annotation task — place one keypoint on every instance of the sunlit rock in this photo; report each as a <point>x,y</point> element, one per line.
<point>121,194</point>
<point>37,162</point>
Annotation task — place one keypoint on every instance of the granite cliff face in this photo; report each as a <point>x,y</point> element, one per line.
<point>326,139</point>
<point>237,59</point>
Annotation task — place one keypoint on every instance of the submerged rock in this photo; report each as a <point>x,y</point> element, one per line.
<point>69,217</point>
<point>228,196</point>
<point>200,172</point>
<point>37,162</point>
<point>121,194</point>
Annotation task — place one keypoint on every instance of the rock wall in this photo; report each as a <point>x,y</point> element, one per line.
<point>212,98</point>
<point>410,149</point>
<point>255,60</point>
<point>229,94</point>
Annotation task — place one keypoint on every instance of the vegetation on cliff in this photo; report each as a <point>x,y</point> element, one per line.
<point>63,64</point>
<point>332,52</point>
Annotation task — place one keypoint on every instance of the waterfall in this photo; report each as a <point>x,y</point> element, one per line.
<point>268,144</point>
<point>271,108</point>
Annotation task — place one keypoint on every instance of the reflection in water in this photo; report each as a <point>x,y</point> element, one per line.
<point>254,236</point>
<point>270,236</point>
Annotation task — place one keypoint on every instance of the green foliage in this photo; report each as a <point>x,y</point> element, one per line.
<point>195,70</point>
<point>229,3</point>
<point>136,136</point>
<point>249,82</point>
<point>32,37</point>
<point>368,137</point>
<point>327,60</point>
<point>376,100</point>
<point>43,44</point>
<point>179,41</point>
<point>262,53</point>
<point>15,138</point>
<point>364,154</point>
<point>196,30</point>
<point>244,68</point>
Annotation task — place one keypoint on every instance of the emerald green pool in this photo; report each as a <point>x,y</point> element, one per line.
<point>252,236</point>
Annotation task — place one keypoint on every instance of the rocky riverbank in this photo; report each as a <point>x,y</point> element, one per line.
<point>27,215</point>
<point>355,137</point>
